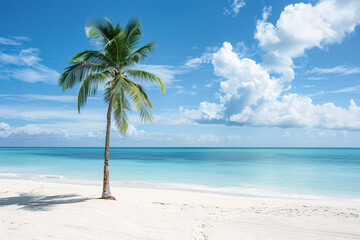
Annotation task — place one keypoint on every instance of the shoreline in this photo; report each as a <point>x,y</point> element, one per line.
<point>42,210</point>
<point>227,191</point>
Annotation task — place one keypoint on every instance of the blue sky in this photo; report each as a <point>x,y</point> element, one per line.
<point>238,73</point>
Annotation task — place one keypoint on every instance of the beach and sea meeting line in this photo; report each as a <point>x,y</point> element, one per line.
<point>308,173</point>
<point>181,193</point>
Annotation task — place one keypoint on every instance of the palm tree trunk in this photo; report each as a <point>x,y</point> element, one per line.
<point>106,194</point>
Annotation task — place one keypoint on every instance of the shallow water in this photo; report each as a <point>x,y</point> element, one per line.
<point>253,171</point>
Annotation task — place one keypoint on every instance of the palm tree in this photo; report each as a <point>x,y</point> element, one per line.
<point>112,69</point>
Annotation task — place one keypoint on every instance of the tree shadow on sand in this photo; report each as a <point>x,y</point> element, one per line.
<point>41,203</point>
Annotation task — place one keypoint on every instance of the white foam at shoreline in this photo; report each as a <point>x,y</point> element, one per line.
<point>29,176</point>
<point>235,191</point>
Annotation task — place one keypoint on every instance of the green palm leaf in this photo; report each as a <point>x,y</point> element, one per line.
<point>133,32</point>
<point>93,57</point>
<point>139,98</point>
<point>121,107</point>
<point>101,30</point>
<point>90,86</point>
<point>78,72</point>
<point>141,53</point>
<point>145,76</point>
<point>90,69</point>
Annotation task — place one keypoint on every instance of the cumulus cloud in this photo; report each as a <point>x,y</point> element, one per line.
<point>194,62</point>
<point>251,96</point>
<point>4,126</point>
<point>303,26</point>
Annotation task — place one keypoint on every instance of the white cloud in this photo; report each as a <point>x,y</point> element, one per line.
<point>332,134</point>
<point>195,62</point>
<point>59,134</point>
<point>344,70</point>
<point>243,116</point>
<point>347,90</point>
<point>304,26</point>
<point>209,85</point>
<point>234,8</point>
<point>167,73</point>
<point>39,97</point>
<point>315,78</point>
<point>14,41</point>
<point>29,129</point>
<point>250,97</point>
<point>352,89</point>
<point>133,132</point>
<point>7,41</point>
<point>208,138</point>
<point>26,57</point>
<point>211,110</point>
<point>247,81</point>
<point>4,126</point>
<point>266,12</point>
<point>37,73</point>
<point>212,138</point>
<point>182,91</point>
<point>25,66</point>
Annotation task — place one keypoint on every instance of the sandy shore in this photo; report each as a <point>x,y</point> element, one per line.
<point>43,210</point>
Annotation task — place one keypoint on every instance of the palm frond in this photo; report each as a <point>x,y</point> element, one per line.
<point>117,49</point>
<point>133,32</point>
<point>141,53</point>
<point>77,72</point>
<point>139,98</point>
<point>146,76</point>
<point>121,107</point>
<point>120,51</point>
<point>93,57</point>
<point>90,86</point>
<point>101,30</point>
<point>107,94</point>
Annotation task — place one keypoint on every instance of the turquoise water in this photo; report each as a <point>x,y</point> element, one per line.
<point>252,171</point>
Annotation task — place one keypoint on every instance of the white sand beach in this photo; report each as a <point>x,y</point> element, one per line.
<point>44,210</point>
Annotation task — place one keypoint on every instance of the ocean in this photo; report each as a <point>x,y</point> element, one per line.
<point>265,172</point>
